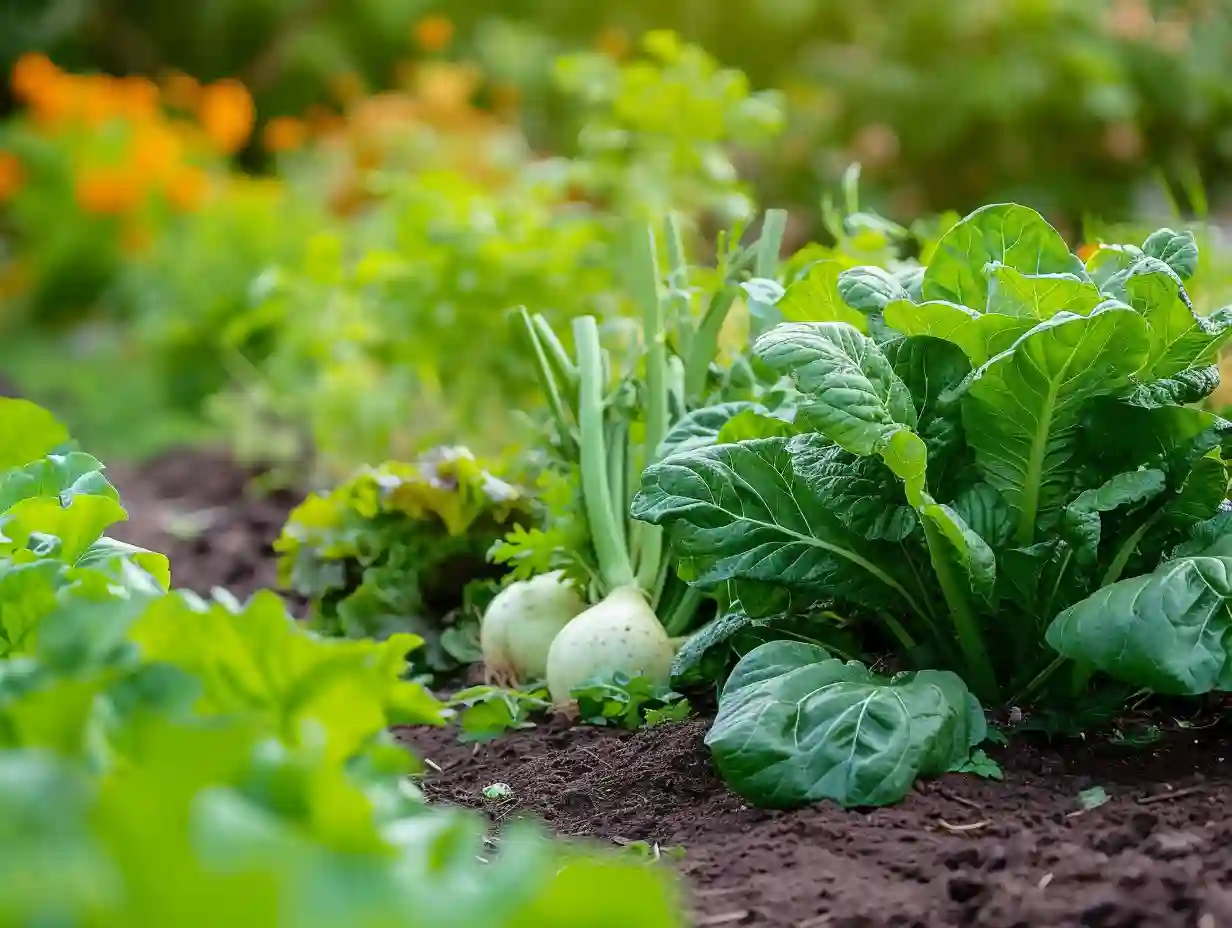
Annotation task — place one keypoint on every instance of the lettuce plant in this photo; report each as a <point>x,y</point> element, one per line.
<point>999,465</point>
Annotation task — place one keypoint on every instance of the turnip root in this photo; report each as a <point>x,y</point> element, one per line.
<point>520,624</point>
<point>621,634</point>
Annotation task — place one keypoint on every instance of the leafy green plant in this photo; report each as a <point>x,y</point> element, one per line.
<point>169,760</point>
<point>398,547</point>
<point>1004,473</point>
<point>629,702</point>
<point>487,712</point>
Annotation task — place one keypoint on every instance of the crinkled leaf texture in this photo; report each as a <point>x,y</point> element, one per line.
<point>1169,630</point>
<point>796,725</point>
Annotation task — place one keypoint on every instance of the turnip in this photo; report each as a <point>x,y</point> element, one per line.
<point>520,623</point>
<point>621,634</point>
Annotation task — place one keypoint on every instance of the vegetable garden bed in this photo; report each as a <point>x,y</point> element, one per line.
<point>958,851</point>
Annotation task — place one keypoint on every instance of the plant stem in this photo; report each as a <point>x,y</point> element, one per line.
<point>617,439</point>
<point>897,630</point>
<point>678,285</point>
<point>1038,681</point>
<point>1126,551</point>
<point>558,359</point>
<point>615,569</point>
<point>682,613</point>
<point>984,681</point>
<point>705,343</point>
<point>549,385</point>
<point>645,286</point>
<point>770,243</point>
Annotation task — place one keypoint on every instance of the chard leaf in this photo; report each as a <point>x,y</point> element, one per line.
<point>1201,496</point>
<point>796,725</point>
<point>854,396</point>
<point>743,512</point>
<point>1178,250</point>
<point>861,491</point>
<point>869,289</point>
<point>1081,525</point>
<point>701,427</point>
<point>1021,410</point>
<point>1188,386</point>
<point>1180,339</point>
<point>979,335</point>
<point>983,509</point>
<point>1169,630</point>
<point>1006,233</point>
<point>1039,296</point>
<point>1120,435</point>
<point>816,298</point>
<point>1206,534</point>
<point>931,368</point>
<point>965,548</point>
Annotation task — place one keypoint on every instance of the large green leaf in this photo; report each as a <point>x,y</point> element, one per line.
<point>1178,250</point>
<point>27,432</point>
<point>62,476</point>
<point>1081,524</point>
<point>701,427</point>
<point>1022,410</point>
<point>51,529</point>
<point>1180,339</point>
<point>1039,296</point>
<point>979,335</point>
<point>743,512</point>
<point>860,491</point>
<point>816,298</point>
<point>1006,233</point>
<point>795,726</point>
<point>854,396</point>
<point>869,289</point>
<point>1170,630</point>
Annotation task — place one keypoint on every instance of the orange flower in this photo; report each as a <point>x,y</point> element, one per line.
<point>155,151</point>
<point>226,112</point>
<point>187,188</point>
<point>284,133</point>
<point>11,175</point>
<point>109,190</point>
<point>433,33</point>
<point>181,91</point>
<point>137,98</point>
<point>33,74</point>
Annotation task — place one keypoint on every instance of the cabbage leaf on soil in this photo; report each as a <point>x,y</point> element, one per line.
<point>1004,475</point>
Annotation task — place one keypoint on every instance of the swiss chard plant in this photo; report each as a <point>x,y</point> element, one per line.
<point>1001,469</point>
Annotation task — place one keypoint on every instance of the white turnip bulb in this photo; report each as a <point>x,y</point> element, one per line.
<point>520,623</point>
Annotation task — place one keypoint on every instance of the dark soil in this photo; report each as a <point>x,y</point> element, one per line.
<point>202,511</point>
<point>958,851</point>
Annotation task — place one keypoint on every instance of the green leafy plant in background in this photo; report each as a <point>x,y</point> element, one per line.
<point>1004,473</point>
<point>402,548</point>
<point>168,760</point>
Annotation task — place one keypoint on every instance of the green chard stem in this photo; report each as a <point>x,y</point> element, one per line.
<point>615,568</point>
<point>558,360</point>
<point>983,680</point>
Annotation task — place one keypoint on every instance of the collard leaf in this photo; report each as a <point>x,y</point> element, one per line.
<point>742,512</point>
<point>854,396</point>
<point>983,509</point>
<point>1081,525</point>
<point>753,424</point>
<point>1200,497</point>
<point>1022,410</point>
<point>796,726</point>
<point>700,428</point>
<point>860,491</point>
<point>762,296</point>
<point>1108,261</point>
<point>60,476</point>
<point>27,433</point>
<point>1178,250</point>
<point>966,548</point>
<point>1008,234</point>
<point>869,289</point>
<point>816,298</point>
<point>1180,339</point>
<point>1039,296</point>
<point>1185,387</point>
<point>931,368</point>
<point>979,335</point>
<point>1119,435</point>
<point>1169,630</point>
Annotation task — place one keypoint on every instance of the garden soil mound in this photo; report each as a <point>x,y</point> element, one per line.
<point>958,851</point>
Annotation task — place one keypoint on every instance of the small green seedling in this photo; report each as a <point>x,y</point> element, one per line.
<point>498,792</point>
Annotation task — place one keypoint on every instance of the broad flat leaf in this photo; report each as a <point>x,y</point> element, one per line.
<point>1188,386</point>
<point>869,289</point>
<point>106,550</point>
<point>983,509</point>
<point>979,335</point>
<point>853,395</point>
<point>701,427</point>
<point>1118,435</point>
<point>27,433</point>
<point>742,512</point>
<point>27,596</point>
<point>931,368</point>
<point>1081,525</point>
<point>1180,339</point>
<point>816,298</point>
<point>1013,235</point>
<point>753,424</point>
<point>1207,533</point>
<point>1169,630</point>
<point>1022,410</point>
<point>796,726</point>
<point>1201,496</point>
<point>860,491</point>
<point>56,531</point>
<point>1178,250</point>
<point>1110,260</point>
<point>62,476</point>
<point>1039,296</point>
